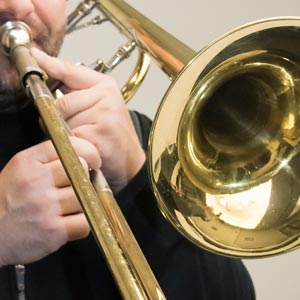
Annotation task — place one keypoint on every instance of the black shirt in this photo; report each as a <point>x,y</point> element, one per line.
<point>78,270</point>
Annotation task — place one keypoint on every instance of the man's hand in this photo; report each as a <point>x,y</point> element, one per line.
<point>95,111</point>
<point>39,211</point>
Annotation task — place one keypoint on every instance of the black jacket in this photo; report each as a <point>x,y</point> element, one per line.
<point>78,270</point>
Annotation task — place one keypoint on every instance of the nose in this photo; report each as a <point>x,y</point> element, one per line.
<point>17,9</point>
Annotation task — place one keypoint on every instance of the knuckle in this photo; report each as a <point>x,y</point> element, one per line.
<point>67,69</point>
<point>63,104</point>
<point>109,80</point>
<point>25,180</point>
<point>84,164</point>
<point>84,147</point>
<point>107,87</point>
<point>86,230</point>
<point>18,160</point>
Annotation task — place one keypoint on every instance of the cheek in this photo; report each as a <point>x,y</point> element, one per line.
<point>52,13</point>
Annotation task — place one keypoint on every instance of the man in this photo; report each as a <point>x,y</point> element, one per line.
<point>41,223</point>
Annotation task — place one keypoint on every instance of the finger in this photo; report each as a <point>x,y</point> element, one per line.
<point>95,117</point>
<point>73,76</point>
<point>59,175</point>
<point>42,153</point>
<point>77,226</point>
<point>78,101</point>
<point>68,201</point>
<point>45,153</point>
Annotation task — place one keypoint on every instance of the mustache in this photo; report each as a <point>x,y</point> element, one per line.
<point>40,33</point>
<point>6,16</point>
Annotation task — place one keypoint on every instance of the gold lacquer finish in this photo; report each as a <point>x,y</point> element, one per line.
<point>224,148</point>
<point>167,51</point>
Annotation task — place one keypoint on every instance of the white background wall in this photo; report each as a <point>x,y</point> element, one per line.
<point>196,23</point>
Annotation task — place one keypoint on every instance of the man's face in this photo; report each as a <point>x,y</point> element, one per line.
<point>46,18</point>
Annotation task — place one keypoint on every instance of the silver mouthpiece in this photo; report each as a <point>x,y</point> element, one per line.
<point>14,33</point>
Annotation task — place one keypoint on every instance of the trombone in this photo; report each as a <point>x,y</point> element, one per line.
<point>224,170</point>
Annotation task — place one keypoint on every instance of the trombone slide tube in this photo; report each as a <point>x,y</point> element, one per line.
<point>110,229</point>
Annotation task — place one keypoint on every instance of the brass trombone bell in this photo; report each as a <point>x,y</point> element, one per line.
<point>224,147</point>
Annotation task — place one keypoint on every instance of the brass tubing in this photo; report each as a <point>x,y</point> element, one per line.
<point>125,259</point>
<point>168,52</point>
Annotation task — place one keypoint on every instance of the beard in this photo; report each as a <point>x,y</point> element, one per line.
<point>12,95</point>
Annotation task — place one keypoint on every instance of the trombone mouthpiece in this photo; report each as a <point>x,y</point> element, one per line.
<point>12,34</point>
<point>15,40</point>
